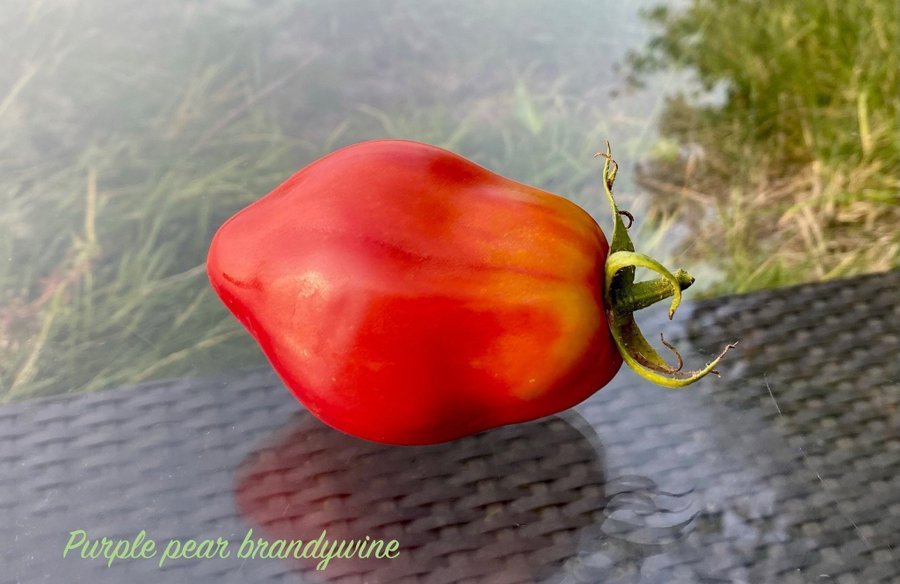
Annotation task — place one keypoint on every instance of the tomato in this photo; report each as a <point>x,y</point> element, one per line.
<point>406,295</point>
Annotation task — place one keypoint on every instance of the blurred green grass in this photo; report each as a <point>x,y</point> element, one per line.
<point>792,172</point>
<point>127,137</point>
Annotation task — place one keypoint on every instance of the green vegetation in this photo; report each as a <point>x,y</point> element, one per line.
<point>793,175</point>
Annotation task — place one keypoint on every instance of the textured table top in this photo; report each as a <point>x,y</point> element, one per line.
<point>786,470</point>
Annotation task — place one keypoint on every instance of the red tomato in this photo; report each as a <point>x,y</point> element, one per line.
<point>409,296</point>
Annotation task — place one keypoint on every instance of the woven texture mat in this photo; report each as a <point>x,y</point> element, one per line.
<point>785,470</point>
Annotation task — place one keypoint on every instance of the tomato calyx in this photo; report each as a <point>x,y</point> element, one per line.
<point>623,296</point>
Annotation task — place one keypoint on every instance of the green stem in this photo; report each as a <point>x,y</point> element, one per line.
<point>623,296</point>
<point>644,294</point>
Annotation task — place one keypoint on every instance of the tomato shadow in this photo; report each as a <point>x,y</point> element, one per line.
<point>523,503</point>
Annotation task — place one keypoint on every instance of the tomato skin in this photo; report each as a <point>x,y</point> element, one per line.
<point>406,295</point>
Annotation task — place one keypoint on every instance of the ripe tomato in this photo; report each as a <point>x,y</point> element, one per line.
<point>407,295</point>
